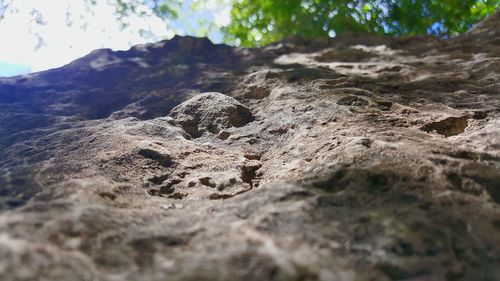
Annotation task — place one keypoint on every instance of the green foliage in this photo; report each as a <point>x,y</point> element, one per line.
<point>259,22</point>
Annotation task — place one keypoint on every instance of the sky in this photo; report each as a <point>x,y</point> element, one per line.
<point>38,35</point>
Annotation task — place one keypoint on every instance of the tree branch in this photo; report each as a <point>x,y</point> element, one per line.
<point>3,8</point>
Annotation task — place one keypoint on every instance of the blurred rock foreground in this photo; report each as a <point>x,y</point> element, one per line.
<point>355,158</point>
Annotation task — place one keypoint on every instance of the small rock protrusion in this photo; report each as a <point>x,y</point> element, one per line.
<point>252,156</point>
<point>210,112</point>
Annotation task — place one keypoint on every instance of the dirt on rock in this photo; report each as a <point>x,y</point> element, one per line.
<point>354,158</point>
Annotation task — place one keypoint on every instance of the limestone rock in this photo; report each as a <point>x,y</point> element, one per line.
<point>352,158</point>
<point>210,112</point>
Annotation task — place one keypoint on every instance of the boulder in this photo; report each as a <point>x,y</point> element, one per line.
<point>210,112</point>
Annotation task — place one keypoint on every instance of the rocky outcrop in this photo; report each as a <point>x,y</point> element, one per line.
<point>210,112</point>
<point>354,158</point>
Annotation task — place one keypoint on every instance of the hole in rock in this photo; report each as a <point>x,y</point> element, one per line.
<point>249,173</point>
<point>353,101</point>
<point>162,159</point>
<point>448,127</point>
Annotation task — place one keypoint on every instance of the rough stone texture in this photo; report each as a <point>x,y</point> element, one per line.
<point>210,112</point>
<point>369,158</point>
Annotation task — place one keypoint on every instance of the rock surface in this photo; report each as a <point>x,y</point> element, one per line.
<point>354,158</point>
<point>210,112</point>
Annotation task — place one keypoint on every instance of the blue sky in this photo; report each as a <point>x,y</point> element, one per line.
<point>39,35</point>
<point>12,69</point>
